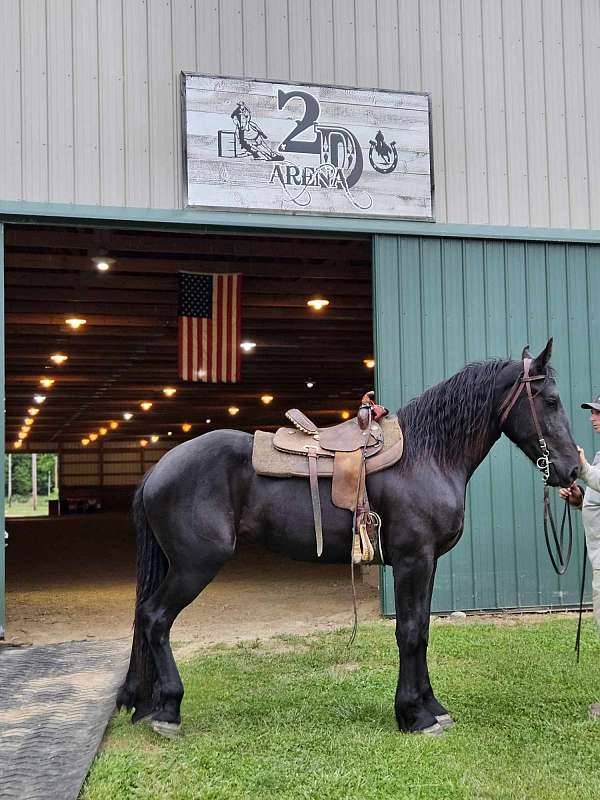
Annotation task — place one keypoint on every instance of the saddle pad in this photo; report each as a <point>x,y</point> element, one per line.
<point>268,461</point>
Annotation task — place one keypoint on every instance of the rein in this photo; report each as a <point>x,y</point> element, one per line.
<point>559,558</point>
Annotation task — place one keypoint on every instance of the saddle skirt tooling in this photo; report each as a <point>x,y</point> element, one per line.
<point>346,454</point>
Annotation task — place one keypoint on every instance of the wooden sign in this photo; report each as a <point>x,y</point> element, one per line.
<point>253,145</point>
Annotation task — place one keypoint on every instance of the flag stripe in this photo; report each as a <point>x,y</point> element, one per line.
<point>209,327</point>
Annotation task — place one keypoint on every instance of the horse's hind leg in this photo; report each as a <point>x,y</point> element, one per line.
<point>183,583</point>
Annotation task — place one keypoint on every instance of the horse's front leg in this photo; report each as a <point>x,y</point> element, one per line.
<point>413,578</point>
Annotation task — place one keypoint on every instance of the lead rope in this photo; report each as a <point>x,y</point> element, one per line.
<point>578,637</point>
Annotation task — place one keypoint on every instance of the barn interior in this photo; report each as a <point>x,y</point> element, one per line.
<point>71,574</point>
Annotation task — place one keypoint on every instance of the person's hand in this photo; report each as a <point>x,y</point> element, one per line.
<point>582,458</point>
<point>573,493</point>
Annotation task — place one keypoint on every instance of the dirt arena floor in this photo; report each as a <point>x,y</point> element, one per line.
<point>74,579</point>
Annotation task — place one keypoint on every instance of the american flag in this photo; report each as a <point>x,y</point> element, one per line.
<point>209,317</point>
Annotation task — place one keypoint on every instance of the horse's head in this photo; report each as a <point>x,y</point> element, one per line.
<point>529,410</point>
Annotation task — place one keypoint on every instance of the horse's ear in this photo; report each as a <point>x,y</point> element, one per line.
<point>544,357</point>
<point>526,353</point>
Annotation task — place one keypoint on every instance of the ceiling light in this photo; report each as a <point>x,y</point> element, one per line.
<point>21,435</point>
<point>201,374</point>
<point>143,442</point>
<point>28,420</point>
<point>317,303</point>
<point>169,433</point>
<point>267,398</point>
<point>247,346</point>
<point>102,431</point>
<point>369,362</point>
<point>103,263</point>
<point>169,391</point>
<point>93,437</point>
<point>39,399</point>
<point>345,415</point>
<point>58,358</point>
<point>146,405</point>
<point>208,421</point>
<point>46,382</point>
<point>127,415</point>
<point>233,410</point>
<point>33,411</point>
<point>186,427</point>
<point>309,384</point>
<point>17,444</point>
<point>85,441</point>
<point>75,322</point>
<point>113,424</point>
<point>154,438</point>
<point>25,428</point>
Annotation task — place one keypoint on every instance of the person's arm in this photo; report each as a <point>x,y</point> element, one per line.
<point>588,473</point>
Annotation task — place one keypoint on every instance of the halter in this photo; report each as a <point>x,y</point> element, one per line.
<point>524,381</point>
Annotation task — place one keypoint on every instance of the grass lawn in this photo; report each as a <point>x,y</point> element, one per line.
<point>310,718</point>
<point>23,506</point>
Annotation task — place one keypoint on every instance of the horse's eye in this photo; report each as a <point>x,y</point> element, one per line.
<point>551,401</point>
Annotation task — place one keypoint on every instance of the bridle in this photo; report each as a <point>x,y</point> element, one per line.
<point>560,561</point>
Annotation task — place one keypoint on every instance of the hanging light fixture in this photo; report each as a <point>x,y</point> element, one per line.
<point>267,398</point>
<point>33,411</point>
<point>93,437</point>
<point>186,427</point>
<point>75,322</point>
<point>169,433</point>
<point>369,362</point>
<point>127,415</point>
<point>22,435</point>
<point>310,384</point>
<point>318,303</point>
<point>85,441</point>
<point>17,444</point>
<point>25,428</point>
<point>39,399</point>
<point>154,438</point>
<point>233,410</point>
<point>28,420</point>
<point>169,391</point>
<point>46,382</point>
<point>113,424</point>
<point>103,263</point>
<point>102,431</point>
<point>146,405</point>
<point>59,358</point>
<point>345,415</point>
<point>143,442</point>
<point>247,347</point>
<point>207,421</point>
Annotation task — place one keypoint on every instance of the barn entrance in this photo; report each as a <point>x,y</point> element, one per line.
<point>109,410</point>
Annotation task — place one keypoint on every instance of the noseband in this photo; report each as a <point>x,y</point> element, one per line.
<point>524,381</point>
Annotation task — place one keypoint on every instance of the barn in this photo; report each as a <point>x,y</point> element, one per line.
<point>428,168</point>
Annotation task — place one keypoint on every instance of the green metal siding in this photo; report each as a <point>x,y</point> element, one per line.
<point>440,303</point>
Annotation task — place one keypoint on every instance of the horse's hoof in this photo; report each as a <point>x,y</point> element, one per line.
<point>433,730</point>
<point>169,729</point>
<point>445,720</point>
<point>594,711</point>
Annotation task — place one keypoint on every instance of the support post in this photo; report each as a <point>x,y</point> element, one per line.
<point>34,481</point>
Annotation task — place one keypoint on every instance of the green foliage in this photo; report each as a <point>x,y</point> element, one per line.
<point>21,473</point>
<point>309,718</point>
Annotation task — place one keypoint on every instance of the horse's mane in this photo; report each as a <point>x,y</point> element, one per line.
<point>451,417</point>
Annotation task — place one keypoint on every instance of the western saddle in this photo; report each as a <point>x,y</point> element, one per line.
<point>344,452</point>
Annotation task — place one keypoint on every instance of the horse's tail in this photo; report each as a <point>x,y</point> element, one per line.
<point>152,566</point>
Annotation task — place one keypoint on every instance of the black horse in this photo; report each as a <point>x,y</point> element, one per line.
<point>201,495</point>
